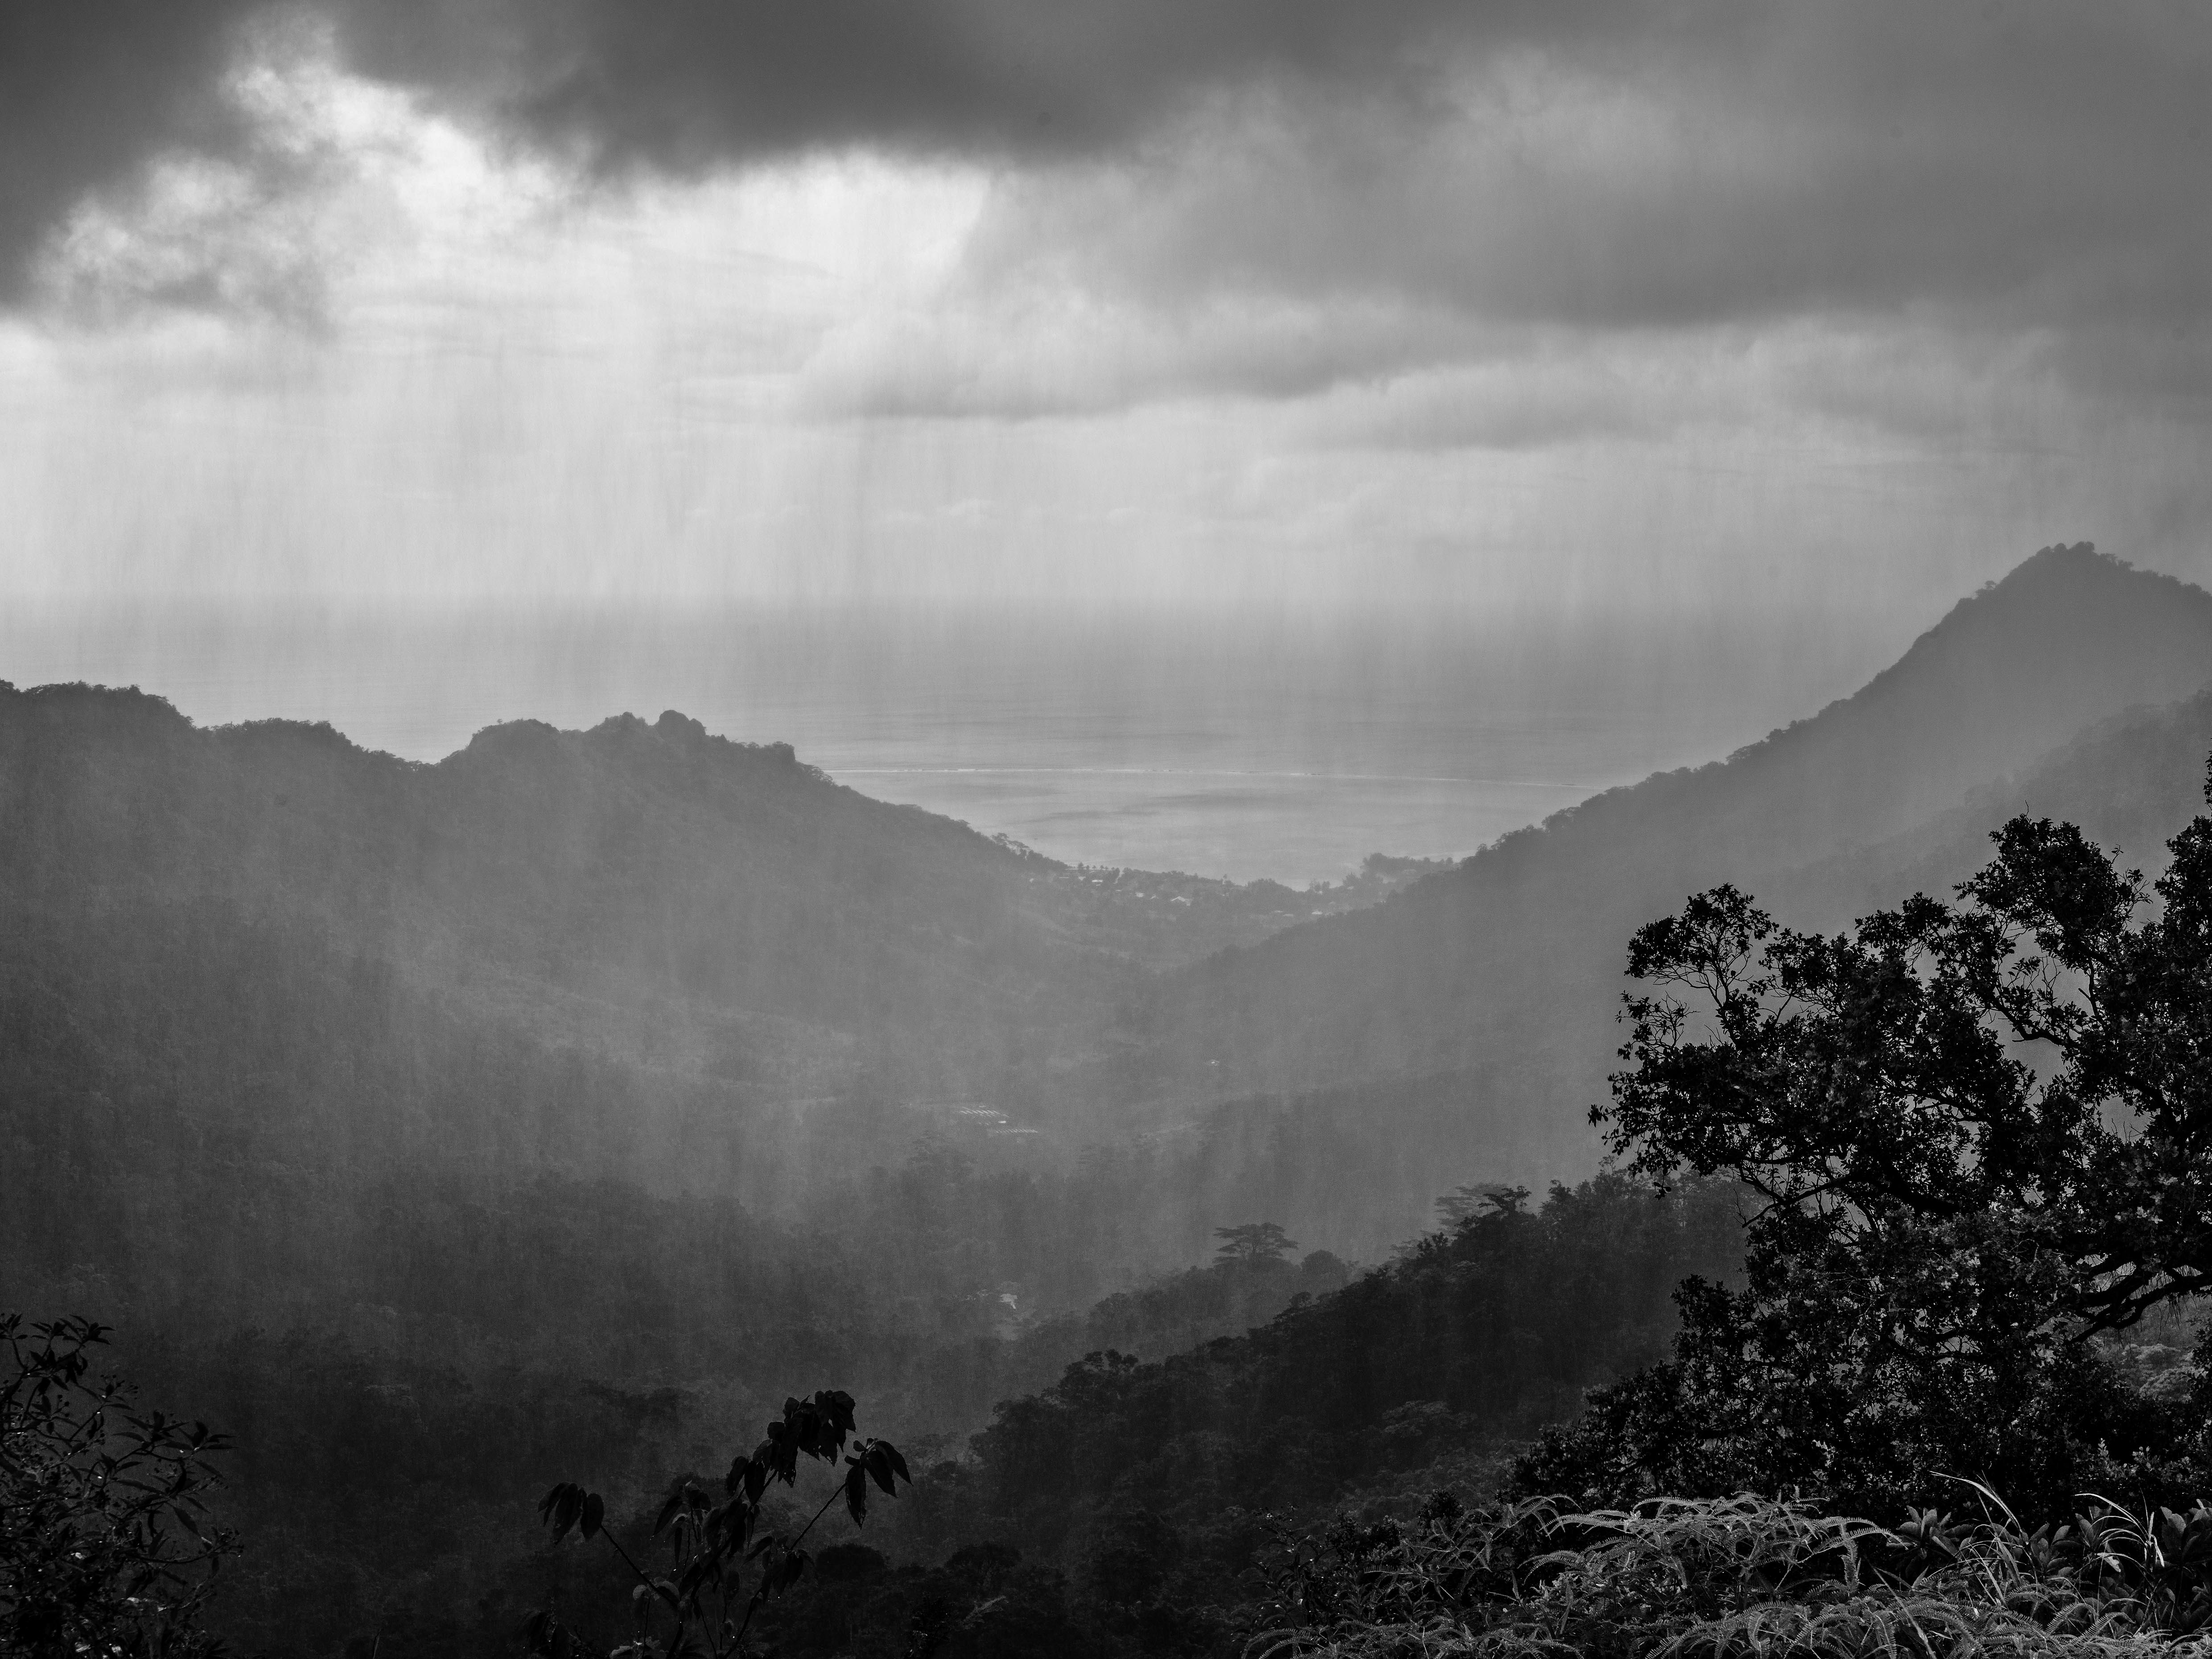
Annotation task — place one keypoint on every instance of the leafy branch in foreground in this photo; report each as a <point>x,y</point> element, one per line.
<point>105,1546</point>
<point>695,1608</point>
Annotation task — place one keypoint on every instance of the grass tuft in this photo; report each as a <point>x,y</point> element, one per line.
<point>1744,1577</point>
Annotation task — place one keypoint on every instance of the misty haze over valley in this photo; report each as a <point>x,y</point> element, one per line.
<point>1318,826</point>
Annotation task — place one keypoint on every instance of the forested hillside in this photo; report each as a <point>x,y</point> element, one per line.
<point>2128,781</point>
<point>1129,1507</point>
<point>435,1127</point>
<point>613,887</point>
<point>1501,975</point>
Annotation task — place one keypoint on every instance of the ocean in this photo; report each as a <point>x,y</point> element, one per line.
<point>1223,744</point>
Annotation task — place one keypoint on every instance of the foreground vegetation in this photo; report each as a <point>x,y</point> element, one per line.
<point>1748,1575</point>
<point>106,1546</point>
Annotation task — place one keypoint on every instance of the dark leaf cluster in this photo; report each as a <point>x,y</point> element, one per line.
<point>1983,1133</point>
<point>713,1542</point>
<point>107,1547</point>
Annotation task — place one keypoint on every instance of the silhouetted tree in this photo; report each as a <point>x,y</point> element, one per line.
<point>1983,1133</point>
<point>1256,1241</point>
<point>1464,1204</point>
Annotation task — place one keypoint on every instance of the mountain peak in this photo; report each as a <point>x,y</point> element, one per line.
<point>1518,951</point>
<point>2063,574</point>
<point>2063,558</point>
<point>2067,636</point>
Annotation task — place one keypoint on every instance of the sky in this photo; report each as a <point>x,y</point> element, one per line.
<point>1408,308</point>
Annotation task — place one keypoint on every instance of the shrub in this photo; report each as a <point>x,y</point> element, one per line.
<point>105,1548</point>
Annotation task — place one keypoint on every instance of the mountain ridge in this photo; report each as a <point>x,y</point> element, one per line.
<point>1511,959</point>
<point>630,876</point>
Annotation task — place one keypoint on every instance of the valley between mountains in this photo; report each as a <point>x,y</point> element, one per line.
<point>435,1128</point>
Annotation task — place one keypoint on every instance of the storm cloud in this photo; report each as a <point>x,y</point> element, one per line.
<point>957,297</point>
<point>1595,165</point>
<point>88,94</point>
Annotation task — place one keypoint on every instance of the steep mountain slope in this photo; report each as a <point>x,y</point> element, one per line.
<point>2130,782</point>
<point>1505,971</point>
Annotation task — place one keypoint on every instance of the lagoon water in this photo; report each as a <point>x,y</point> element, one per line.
<point>1221,743</point>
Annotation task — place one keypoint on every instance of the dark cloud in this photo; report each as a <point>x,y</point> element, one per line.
<point>2027,164</point>
<point>684,85</point>
<point>2030,165</point>
<point>89,92</point>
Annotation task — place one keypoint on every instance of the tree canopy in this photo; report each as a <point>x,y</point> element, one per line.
<point>1256,1241</point>
<point>1982,1131</point>
<point>2040,1053</point>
